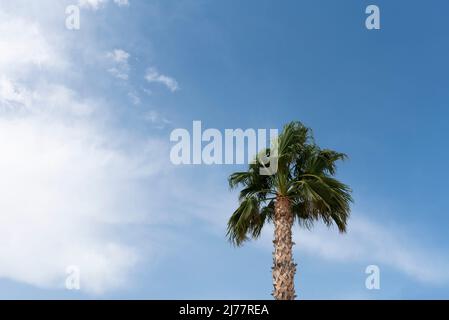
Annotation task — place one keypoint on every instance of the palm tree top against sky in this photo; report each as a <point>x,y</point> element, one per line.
<point>304,189</point>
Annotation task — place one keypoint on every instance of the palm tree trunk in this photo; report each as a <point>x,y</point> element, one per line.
<point>284,268</point>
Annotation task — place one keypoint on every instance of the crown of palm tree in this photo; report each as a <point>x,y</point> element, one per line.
<point>305,176</point>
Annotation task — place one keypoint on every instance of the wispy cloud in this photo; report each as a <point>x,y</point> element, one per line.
<point>122,3</point>
<point>119,56</point>
<point>92,4</point>
<point>371,243</point>
<point>120,68</point>
<point>134,97</point>
<point>98,4</point>
<point>153,76</point>
<point>156,119</point>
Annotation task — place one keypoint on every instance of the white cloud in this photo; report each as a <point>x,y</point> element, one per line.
<point>370,243</point>
<point>120,68</point>
<point>69,182</point>
<point>148,92</point>
<point>153,76</point>
<point>92,4</point>
<point>12,95</point>
<point>99,4</point>
<point>134,97</point>
<point>122,3</point>
<point>25,49</point>
<point>155,118</point>
<point>64,184</point>
<point>118,73</point>
<point>119,56</point>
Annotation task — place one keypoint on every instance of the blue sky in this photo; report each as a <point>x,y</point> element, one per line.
<point>85,120</point>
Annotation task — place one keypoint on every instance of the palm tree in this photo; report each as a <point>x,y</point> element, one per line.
<point>303,189</point>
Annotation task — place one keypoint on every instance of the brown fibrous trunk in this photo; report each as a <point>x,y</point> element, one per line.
<point>284,268</point>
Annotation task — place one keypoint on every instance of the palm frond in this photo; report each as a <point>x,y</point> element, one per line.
<point>305,175</point>
<point>246,220</point>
